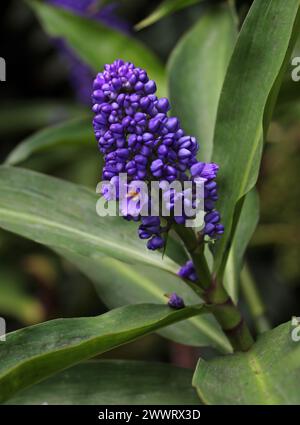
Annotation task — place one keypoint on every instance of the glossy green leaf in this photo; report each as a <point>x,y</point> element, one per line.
<point>15,302</point>
<point>18,117</point>
<point>100,44</point>
<point>269,373</point>
<point>166,8</point>
<point>245,228</point>
<point>118,283</point>
<point>256,63</point>
<point>63,215</point>
<point>74,132</point>
<point>105,381</point>
<point>290,90</point>
<point>197,70</point>
<point>32,354</point>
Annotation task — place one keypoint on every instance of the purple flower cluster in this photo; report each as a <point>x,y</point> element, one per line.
<point>137,137</point>
<point>208,171</point>
<point>81,75</point>
<point>133,129</point>
<point>151,229</point>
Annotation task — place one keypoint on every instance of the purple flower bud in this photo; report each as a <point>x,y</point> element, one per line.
<point>151,221</point>
<point>187,271</point>
<point>139,86</point>
<point>184,153</point>
<point>156,165</point>
<point>145,102</point>
<point>140,159</point>
<point>141,174</point>
<point>162,150</point>
<point>154,124</point>
<point>172,124</point>
<point>145,151</point>
<point>212,217</point>
<point>143,234</point>
<point>123,153</point>
<point>116,128</point>
<point>175,301</point>
<point>163,105</point>
<point>150,87</point>
<point>197,168</point>
<point>170,171</point>
<point>155,242</point>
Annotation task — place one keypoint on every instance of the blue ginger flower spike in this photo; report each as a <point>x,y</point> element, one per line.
<point>137,136</point>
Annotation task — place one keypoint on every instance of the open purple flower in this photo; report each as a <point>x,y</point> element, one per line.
<point>134,201</point>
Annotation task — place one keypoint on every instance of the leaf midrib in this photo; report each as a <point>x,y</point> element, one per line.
<point>261,379</point>
<point>137,333</point>
<point>205,328</point>
<point>136,254</point>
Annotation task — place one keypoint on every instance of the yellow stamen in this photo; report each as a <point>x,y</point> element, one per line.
<point>133,194</point>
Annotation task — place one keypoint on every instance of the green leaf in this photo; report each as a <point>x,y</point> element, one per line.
<point>32,354</point>
<point>106,381</point>
<point>18,117</point>
<point>197,70</point>
<point>245,228</point>
<point>269,373</point>
<point>100,44</point>
<point>256,63</point>
<point>15,302</point>
<point>167,7</point>
<point>72,132</point>
<point>118,283</point>
<point>290,90</point>
<point>63,215</point>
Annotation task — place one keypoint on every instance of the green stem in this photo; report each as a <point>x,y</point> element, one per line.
<point>254,301</point>
<point>217,299</point>
<point>228,316</point>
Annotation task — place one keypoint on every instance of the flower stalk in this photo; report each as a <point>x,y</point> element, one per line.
<point>215,295</point>
<point>254,301</point>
